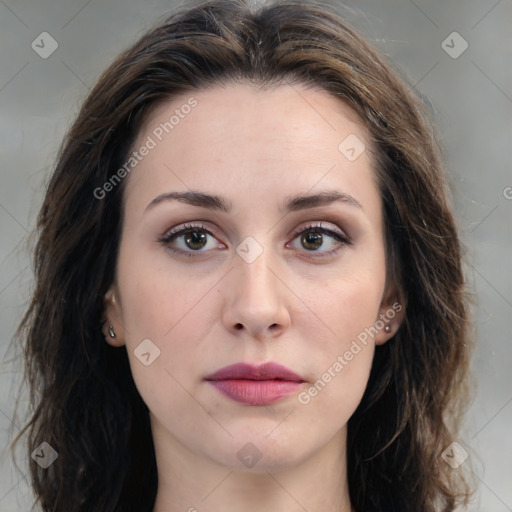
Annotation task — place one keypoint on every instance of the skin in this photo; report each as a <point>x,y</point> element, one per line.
<point>296,305</point>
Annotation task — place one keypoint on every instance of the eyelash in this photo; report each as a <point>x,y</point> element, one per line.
<point>169,236</point>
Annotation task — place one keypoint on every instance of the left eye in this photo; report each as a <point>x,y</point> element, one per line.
<point>319,239</point>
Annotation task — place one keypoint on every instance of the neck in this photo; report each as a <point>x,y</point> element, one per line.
<point>191,482</point>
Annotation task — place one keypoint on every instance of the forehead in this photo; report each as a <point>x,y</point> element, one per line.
<point>284,140</point>
<point>281,111</point>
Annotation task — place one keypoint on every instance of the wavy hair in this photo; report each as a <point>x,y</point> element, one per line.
<point>84,402</point>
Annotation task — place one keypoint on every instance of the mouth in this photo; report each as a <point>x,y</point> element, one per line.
<point>256,385</point>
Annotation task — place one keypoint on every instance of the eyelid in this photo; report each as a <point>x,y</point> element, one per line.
<point>340,233</point>
<point>184,228</point>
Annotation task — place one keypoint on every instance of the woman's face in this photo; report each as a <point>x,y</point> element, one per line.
<point>285,263</point>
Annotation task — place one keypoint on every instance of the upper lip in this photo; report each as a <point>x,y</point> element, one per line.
<point>265,371</point>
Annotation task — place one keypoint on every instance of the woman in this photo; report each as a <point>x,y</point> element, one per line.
<point>249,290</point>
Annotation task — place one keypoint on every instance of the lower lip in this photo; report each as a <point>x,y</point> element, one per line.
<point>256,392</point>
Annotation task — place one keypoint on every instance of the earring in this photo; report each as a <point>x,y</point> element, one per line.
<point>111,331</point>
<point>387,328</point>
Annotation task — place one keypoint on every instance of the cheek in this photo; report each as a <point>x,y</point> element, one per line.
<point>349,309</point>
<point>344,360</point>
<point>331,400</point>
<point>157,298</point>
<point>175,311</point>
<point>347,305</point>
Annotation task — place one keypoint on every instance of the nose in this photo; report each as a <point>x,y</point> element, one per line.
<point>255,299</point>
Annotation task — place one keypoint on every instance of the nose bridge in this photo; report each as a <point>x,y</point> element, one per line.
<point>254,294</point>
<point>255,276</point>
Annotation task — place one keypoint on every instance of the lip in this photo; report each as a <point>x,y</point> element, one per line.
<point>265,371</point>
<point>256,385</point>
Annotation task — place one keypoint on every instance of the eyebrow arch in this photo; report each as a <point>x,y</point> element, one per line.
<point>302,202</point>
<point>218,203</point>
<point>193,198</point>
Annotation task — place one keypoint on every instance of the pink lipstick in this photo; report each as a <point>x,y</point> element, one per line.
<point>256,385</point>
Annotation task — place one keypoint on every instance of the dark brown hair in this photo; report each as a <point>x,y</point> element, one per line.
<point>84,401</point>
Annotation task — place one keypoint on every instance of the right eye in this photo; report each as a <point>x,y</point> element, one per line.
<point>190,240</point>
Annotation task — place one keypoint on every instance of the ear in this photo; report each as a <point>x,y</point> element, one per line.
<point>112,326</point>
<point>391,315</point>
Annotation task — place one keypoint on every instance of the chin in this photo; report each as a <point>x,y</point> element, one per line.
<point>261,453</point>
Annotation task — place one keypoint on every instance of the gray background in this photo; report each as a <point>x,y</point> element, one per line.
<point>472,96</point>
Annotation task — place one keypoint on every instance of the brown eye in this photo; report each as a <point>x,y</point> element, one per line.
<point>190,240</point>
<point>195,240</point>
<point>319,240</point>
<point>312,241</point>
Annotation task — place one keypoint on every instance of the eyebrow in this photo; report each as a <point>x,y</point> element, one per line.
<point>302,202</point>
<point>293,203</point>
